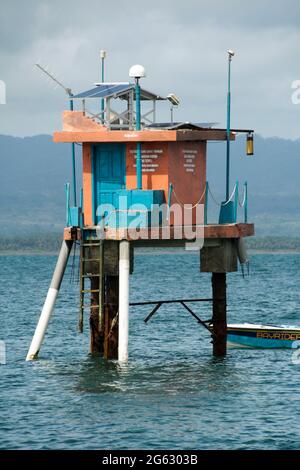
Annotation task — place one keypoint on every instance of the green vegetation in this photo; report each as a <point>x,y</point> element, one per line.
<point>41,243</point>
<point>50,243</point>
<point>273,243</point>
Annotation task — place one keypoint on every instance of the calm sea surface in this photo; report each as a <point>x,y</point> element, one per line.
<point>173,394</point>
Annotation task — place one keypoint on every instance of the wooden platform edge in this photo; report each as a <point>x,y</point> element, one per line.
<point>238,230</point>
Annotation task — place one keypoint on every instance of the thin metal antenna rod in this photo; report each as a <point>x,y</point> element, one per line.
<point>70,94</point>
<point>67,90</point>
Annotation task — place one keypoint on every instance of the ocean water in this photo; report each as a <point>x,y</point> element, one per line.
<point>173,394</point>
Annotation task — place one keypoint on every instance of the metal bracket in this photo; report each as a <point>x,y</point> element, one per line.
<point>183,302</point>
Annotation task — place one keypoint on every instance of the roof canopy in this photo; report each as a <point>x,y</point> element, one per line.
<point>116,90</point>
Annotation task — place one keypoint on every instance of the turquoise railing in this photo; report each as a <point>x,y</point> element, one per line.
<point>169,199</point>
<point>234,198</point>
<point>67,190</point>
<point>81,208</point>
<point>228,209</point>
<point>233,201</point>
<point>246,203</point>
<point>206,203</point>
<point>73,213</point>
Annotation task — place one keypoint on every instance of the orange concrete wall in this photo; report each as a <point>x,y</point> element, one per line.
<point>77,121</point>
<point>87,183</point>
<point>155,166</point>
<point>181,163</point>
<point>187,172</point>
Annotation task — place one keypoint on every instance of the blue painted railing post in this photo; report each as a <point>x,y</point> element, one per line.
<point>169,199</point>
<point>206,203</point>
<point>230,55</point>
<point>246,203</point>
<point>67,189</point>
<point>138,128</point>
<point>228,134</point>
<point>170,194</point>
<point>236,200</point>
<point>73,162</point>
<point>81,207</point>
<point>102,55</point>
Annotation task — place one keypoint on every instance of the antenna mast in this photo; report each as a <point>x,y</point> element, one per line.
<point>69,93</point>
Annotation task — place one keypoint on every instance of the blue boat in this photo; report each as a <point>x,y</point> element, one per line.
<point>249,335</point>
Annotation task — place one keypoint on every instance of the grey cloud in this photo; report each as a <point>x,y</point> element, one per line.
<point>182,44</point>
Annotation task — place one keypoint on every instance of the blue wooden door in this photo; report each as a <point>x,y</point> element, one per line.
<point>109,173</point>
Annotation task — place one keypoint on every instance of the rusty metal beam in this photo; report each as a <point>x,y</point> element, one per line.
<point>219,317</point>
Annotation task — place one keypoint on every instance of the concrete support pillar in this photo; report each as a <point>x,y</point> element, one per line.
<point>96,329</point>
<point>104,314</point>
<point>124,268</point>
<point>104,336</point>
<point>110,328</point>
<point>219,317</point>
<point>50,300</point>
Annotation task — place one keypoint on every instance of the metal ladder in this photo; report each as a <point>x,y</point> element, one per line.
<point>84,275</point>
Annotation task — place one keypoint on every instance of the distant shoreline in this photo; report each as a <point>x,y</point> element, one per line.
<point>276,251</point>
<point>251,251</point>
<point>27,253</point>
<point>39,244</point>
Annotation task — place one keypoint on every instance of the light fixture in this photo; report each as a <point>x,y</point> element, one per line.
<point>173,99</point>
<point>102,54</point>
<point>250,143</point>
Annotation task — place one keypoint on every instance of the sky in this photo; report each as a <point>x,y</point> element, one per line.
<point>182,44</point>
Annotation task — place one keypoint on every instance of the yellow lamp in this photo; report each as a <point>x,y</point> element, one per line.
<point>250,143</point>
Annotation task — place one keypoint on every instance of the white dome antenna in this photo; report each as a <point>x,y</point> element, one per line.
<point>137,71</point>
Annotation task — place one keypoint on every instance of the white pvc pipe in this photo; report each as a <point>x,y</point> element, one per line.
<point>123,301</point>
<point>50,301</point>
<point>242,251</point>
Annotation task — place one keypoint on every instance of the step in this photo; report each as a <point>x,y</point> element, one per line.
<point>89,306</point>
<point>90,244</point>
<point>90,275</point>
<point>90,259</point>
<point>89,290</point>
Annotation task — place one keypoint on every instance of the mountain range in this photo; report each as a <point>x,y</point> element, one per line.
<point>34,171</point>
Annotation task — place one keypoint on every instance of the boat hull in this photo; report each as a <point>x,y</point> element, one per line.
<point>262,336</point>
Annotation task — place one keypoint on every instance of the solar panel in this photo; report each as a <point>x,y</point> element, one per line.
<point>181,125</point>
<point>104,90</point>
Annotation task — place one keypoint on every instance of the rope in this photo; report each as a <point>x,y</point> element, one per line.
<point>225,203</point>
<point>193,206</point>
<point>213,198</point>
<point>78,265</point>
<point>231,197</point>
<point>113,324</point>
<point>241,204</point>
<point>72,273</point>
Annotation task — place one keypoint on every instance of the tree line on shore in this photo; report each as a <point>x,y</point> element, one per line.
<point>50,242</point>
